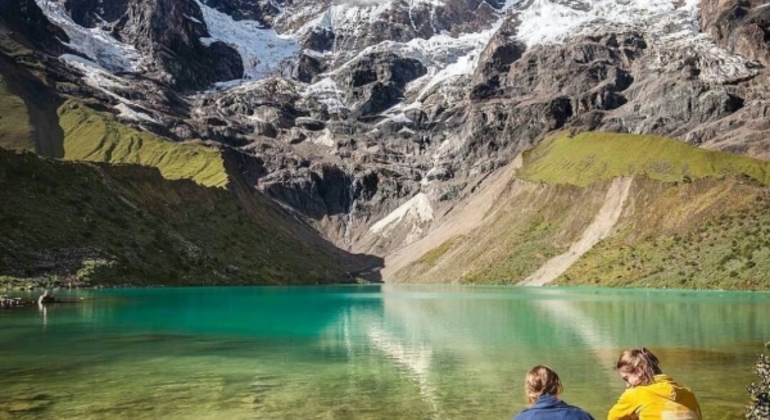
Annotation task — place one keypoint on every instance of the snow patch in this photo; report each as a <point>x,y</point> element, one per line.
<point>464,66</point>
<point>264,52</point>
<point>418,207</point>
<point>401,118</point>
<point>94,74</point>
<point>95,43</point>
<point>130,114</point>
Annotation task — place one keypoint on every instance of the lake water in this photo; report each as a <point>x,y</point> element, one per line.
<point>364,352</point>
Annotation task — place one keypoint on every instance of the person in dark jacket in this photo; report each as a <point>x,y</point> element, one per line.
<point>543,388</point>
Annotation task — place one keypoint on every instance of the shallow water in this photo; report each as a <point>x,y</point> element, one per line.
<point>364,352</point>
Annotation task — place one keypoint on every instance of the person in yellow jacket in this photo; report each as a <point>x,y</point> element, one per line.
<point>649,394</point>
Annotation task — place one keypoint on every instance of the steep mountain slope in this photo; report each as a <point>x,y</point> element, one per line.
<point>373,121</point>
<point>125,224</point>
<point>606,209</point>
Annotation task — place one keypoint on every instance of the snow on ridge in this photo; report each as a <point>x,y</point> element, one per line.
<point>673,29</point>
<point>193,19</point>
<point>263,51</point>
<point>418,206</point>
<point>465,65</point>
<point>344,18</point>
<point>96,44</point>
<point>130,114</point>
<point>445,58</point>
<point>94,74</point>
<point>547,21</point>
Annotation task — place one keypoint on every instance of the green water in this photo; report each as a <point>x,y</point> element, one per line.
<point>363,352</point>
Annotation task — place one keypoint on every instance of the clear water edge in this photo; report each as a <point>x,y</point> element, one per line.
<point>364,352</point>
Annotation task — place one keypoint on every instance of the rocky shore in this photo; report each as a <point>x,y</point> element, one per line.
<point>47,297</point>
<point>7,302</point>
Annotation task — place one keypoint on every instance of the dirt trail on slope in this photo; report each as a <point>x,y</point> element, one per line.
<point>599,229</point>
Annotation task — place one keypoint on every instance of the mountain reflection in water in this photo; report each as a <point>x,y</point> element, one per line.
<point>373,352</point>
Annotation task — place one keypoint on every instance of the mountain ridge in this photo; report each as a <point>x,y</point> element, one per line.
<point>354,115</point>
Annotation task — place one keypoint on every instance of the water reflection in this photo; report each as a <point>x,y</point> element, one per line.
<point>446,352</point>
<point>416,359</point>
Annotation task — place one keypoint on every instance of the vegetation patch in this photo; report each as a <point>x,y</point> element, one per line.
<point>74,223</point>
<point>430,258</point>
<point>528,231</point>
<point>598,156</point>
<point>721,242</point>
<point>94,136</point>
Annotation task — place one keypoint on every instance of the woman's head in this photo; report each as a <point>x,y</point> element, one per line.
<point>638,367</point>
<point>541,380</point>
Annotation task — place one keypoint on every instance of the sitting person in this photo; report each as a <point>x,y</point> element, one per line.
<point>649,393</point>
<point>543,388</point>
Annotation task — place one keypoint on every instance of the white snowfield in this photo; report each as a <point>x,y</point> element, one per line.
<point>670,26</point>
<point>94,43</point>
<point>264,52</point>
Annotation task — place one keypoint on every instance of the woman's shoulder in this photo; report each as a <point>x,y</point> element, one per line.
<point>566,412</point>
<point>580,414</point>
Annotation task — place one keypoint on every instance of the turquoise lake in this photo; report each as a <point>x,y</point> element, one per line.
<point>364,352</point>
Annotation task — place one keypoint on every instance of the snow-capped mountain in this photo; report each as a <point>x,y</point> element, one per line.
<point>349,109</point>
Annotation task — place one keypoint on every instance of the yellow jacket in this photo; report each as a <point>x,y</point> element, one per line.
<point>662,400</point>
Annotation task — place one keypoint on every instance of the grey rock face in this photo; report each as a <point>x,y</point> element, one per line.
<point>742,27</point>
<point>170,31</point>
<point>308,67</point>
<point>495,62</point>
<point>376,81</point>
<point>261,11</point>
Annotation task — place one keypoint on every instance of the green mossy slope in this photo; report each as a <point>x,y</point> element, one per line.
<point>97,137</point>
<point>708,234</point>
<point>597,156</point>
<point>125,224</point>
<point>694,219</point>
<point>30,120</point>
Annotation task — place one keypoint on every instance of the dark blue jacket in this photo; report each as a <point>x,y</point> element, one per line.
<point>551,408</point>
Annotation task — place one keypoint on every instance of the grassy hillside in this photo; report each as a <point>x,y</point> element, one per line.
<point>592,157</point>
<point>34,118</point>
<point>97,137</point>
<point>708,234</point>
<point>127,225</point>
<point>693,219</point>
